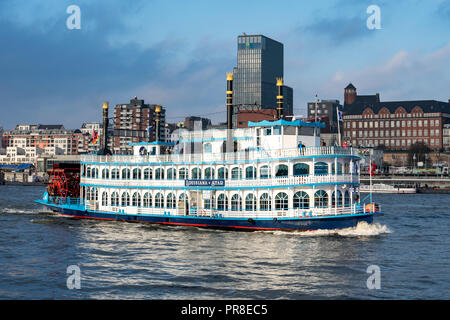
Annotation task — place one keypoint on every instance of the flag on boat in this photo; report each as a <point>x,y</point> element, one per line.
<point>372,169</point>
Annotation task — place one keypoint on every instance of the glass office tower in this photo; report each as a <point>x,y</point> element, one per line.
<point>259,63</point>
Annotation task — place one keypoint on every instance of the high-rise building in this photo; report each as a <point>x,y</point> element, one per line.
<point>135,122</point>
<point>259,64</point>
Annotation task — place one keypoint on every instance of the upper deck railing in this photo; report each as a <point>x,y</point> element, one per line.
<point>223,157</point>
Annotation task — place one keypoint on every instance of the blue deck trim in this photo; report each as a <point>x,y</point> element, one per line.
<point>215,162</point>
<point>217,188</point>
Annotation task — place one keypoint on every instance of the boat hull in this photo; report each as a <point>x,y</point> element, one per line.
<point>281,223</point>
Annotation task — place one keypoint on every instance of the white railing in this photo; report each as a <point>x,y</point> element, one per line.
<point>242,183</point>
<point>221,157</point>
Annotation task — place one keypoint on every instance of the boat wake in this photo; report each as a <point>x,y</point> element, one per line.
<point>25,211</point>
<point>362,229</point>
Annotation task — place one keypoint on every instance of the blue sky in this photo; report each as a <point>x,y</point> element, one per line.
<point>176,53</point>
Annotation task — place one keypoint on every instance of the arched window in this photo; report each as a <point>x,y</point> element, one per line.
<point>207,148</point>
<point>126,174</point>
<point>115,199</point>
<point>301,200</point>
<point>196,173</point>
<point>159,200</point>
<point>182,174</point>
<point>136,200</point>
<point>265,202</point>
<point>171,174</point>
<point>94,194</point>
<point>339,168</point>
<point>148,174</point>
<point>88,172</point>
<point>250,202</point>
<point>222,202</point>
<point>236,202</point>
<point>250,173</point>
<point>321,168</point>
<point>104,198</point>
<point>170,201</point>
<point>222,173</point>
<point>320,199</point>
<point>125,199</point>
<point>301,169</point>
<point>105,173</point>
<point>347,168</point>
<point>115,174</point>
<point>281,201</point>
<point>183,203</point>
<point>88,193</point>
<point>147,200</point>
<point>159,174</point>
<point>236,173</point>
<point>136,174</point>
<point>209,173</point>
<point>264,172</point>
<point>339,199</point>
<point>281,170</point>
<point>347,198</point>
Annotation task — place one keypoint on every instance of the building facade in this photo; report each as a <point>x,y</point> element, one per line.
<point>135,122</point>
<point>259,64</point>
<point>325,111</point>
<point>393,125</point>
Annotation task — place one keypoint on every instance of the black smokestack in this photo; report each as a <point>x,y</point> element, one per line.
<point>157,122</point>
<point>229,101</point>
<point>105,150</point>
<point>280,98</point>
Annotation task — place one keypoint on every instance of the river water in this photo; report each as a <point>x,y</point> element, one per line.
<point>410,245</point>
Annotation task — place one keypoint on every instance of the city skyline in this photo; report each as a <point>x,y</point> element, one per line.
<point>177,55</point>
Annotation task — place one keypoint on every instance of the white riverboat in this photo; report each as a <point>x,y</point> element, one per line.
<point>387,188</point>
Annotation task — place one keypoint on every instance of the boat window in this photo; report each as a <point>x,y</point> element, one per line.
<point>236,173</point>
<point>182,173</point>
<point>147,200</point>
<point>250,202</point>
<point>301,200</point>
<point>159,174</point>
<point>265,202</point>
<point>281,201</point>
<point>170,200</point>
<point>277,130</point>
<point>250,173</point>
<point>136,201</point>
<point>222,173</point>
<point>264,172</point>
<point>126,174</point>
<point>104,198</point>
<point>347,198</point>
<point>171,174</point>
<point>281,170</point>
<point>196,173</point>
<point>339,199</point>
<point>236,203</point>
<point>222,202</point>
<point>159,200</point>
<point>115,174</point>
<point>136,174</point>
<point>105,174</point>
<point>88,172</point>
<point>321,199</point>
<point>320,168</point>
<point>209,173</point>
<point>301,169</point>
<point>114,199</point>
<point>339,168</point>
<point>148,174</point>
<point>125,199</point>
<point>207,148</point>
<point>268,131</point>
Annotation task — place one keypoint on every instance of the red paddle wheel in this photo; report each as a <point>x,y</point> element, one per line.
<point>64,182</point>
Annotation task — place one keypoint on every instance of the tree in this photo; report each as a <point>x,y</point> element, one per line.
<point>418,153</point>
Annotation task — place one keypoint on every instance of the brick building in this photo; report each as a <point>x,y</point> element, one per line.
<point>131,122</point>
<point>396,125</point>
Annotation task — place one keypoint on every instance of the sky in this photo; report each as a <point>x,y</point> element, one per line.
<point>177,53</point>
